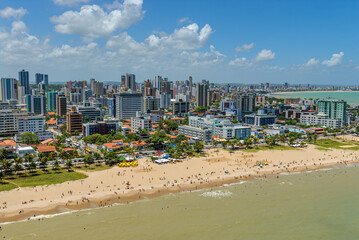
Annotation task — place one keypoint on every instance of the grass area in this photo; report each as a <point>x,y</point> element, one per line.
<point>343,145</point>
<point>39,177</point>
<point>322,149</point>
<point>267,147</point>
<point>5,186</point>
<point>92,167</point>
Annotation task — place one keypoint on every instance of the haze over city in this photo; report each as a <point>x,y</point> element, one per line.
<point>227,41</point>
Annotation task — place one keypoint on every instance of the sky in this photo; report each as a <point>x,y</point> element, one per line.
<point>228,41</point>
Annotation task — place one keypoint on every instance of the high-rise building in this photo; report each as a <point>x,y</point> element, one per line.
<point>61,104</point>
<point>24,81</point>
<point>246,102</point>
<point>51,101</point>
<point>202,94</point>
<point>41,78</point>
<point>7,89</point>
<point>130,81</point>
<point>35,103</point>
<point>21,94</point>
<point>333,109</point>
<point>127,104</point>
<point>74,121</point>
<point>150,103</point>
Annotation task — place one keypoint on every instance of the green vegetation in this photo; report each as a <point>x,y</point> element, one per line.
<point>329,143</point>
<point>101,139</point>
<point>29,138</point>
<point>92,168</point>
<point>6,186</point>
<point>268,147</point>
<point>38,178</point>
<point>200,109</point>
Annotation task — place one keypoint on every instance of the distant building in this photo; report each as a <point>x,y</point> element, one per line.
<point>127,104</point>
<point>51,101</point>
<point>7,89</point>
<point>180,108</point>
<point>61,104</point>
<point>24,81</point>
<point>93,112</point>
<point>41,78</point>
<point>228,103</point>
<point>246,102</point>
<point>150,103</point>
<point>35,103</point>
<point>202,94</point>
<point>74,121</point>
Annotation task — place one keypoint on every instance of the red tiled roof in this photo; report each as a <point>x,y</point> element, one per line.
<point>8,143</point>
<point>45,149</point>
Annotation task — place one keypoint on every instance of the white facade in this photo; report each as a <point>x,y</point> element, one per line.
<point>140,122</point>
<point>314,119</point>
<point>204,135</point>
<point>30,124</point>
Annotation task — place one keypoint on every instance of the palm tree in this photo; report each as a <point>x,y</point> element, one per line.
<point>43,162</point>
<point>18,161</point>
<point>97,156</point>
<point>69,164</point>
<point>6,164</point>
<point>88,159</point>
<point>3,154</point>
<point>56,164</point>
<point>32,165</point>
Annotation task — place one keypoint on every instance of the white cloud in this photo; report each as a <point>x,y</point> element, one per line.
<point>241,62</point>
<point>183,20</point>
<point>245,47</point>
<point>185,38</point>
<point>334,60</point>
<point>312,62</point>
<point>93,22</point>
<point>69,3</point>
<point>9,12</point>
<point>265,55</point>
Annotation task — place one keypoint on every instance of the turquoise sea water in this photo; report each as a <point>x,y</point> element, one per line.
<point>322,204</point>
<point>352,98</point>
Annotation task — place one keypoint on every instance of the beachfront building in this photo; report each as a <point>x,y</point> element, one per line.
<point>319,119</point>
<point>333,108</point>
<point>231,131</point>
<point>259,119</point>
<point>204,135</point>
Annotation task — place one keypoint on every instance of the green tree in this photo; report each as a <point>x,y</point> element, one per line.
<point>29,138</point>
<point>88,160</point>
<point>69,164</point>
<point>87,119</point>
<point>198,146</point>
<point>200,109</point>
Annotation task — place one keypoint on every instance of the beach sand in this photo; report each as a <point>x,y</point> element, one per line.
<point>148,180</point>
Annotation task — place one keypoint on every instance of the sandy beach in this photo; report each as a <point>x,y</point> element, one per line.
<point>148,180</point>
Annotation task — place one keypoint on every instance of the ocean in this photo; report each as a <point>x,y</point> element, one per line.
<point>321,204</point>
<point>352,98</point>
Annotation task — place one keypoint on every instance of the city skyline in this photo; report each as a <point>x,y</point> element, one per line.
<point>232,42</point>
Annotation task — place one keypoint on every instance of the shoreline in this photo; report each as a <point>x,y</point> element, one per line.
<point>110,197</point>
<point>326,91</point>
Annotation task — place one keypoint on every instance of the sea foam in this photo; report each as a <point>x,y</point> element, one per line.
<point>217,194</point>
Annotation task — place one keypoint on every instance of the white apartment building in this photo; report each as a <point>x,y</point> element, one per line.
<point>140,122</point>
<point>314,119</point>
<point>30,124</point>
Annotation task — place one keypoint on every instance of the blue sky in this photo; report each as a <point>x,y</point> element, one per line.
<point>223,41</point>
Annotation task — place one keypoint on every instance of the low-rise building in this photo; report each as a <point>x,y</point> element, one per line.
<point>140,122</point>
<point>204,135</point>
<point>30,124</point>
<point>259,119</point>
